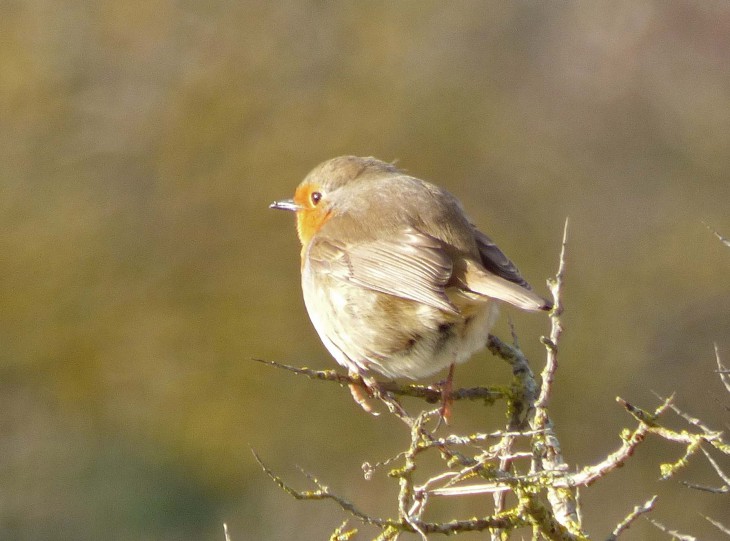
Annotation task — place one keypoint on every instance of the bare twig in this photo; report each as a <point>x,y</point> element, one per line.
<point>470,490</point>
<point>719,525</point>
<point>551,344</point>
<point>341,534</point>
<point>410,508</point>
<point>694,442</point>
<point>692,420</point>
<point>388,525</point>
<point>721,474</point>
<point>546,447</point>
<point>430,394</point>
<point>704,488</point>
<point>722,369</point>
<point>631,517</point>
<point>323,493</point>
<point>615,460</point>
<point>454,439</point>
<point>722,239</point>
<point>524,389</point>
<point>521,404</point>
<point>673,533</point>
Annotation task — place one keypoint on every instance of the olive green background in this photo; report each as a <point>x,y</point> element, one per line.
<point>141,143</point>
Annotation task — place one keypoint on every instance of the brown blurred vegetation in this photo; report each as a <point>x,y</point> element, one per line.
<point>141,142</point>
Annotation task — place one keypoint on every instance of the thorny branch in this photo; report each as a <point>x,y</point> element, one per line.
<point>718,236</point>
<point>719,525</point>
<point>631,517</point>
<point>322,493</point>
<point>430,393</point>
<point>524,460</point>
<point>722,370</point>
<point>674,534</point>
<point>546,448</point>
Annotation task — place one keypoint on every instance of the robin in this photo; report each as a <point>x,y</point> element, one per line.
<point>396,279</point>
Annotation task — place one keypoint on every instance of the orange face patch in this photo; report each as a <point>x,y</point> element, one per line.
<point>312,213</point>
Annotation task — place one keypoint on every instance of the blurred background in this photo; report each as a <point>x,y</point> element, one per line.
<point>141,143</point>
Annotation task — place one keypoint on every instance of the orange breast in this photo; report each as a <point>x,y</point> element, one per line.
<point>309,221</point>
<point>310,216</point>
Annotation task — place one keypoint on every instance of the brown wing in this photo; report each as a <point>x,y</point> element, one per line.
<point>496,262</point>
<point>409,265</point>
<point>501,280</point>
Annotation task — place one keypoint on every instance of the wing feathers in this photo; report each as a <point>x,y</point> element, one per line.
<point>408,265</point>
<point>491,285</point>
<point>415,266</point>
<point>502,280</point>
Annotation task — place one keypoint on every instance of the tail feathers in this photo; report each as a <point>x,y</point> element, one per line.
<point>488,284</point>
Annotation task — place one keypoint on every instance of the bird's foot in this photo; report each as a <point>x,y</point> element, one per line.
<point>362,390</point>
<point>446,386</point>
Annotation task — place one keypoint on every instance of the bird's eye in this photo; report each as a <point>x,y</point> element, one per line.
<point>316,197</point>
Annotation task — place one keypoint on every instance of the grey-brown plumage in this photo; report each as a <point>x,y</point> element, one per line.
<point>396,279</point>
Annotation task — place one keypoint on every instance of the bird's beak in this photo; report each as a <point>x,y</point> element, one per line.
<point>287,204</point>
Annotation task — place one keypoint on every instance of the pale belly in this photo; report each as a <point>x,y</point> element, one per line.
<point>365,330</point>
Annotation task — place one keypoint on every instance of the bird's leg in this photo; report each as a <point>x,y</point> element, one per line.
<point>364,389</point>
<point>446,386</point>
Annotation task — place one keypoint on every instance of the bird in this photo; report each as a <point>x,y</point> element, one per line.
<point>395,277</point>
